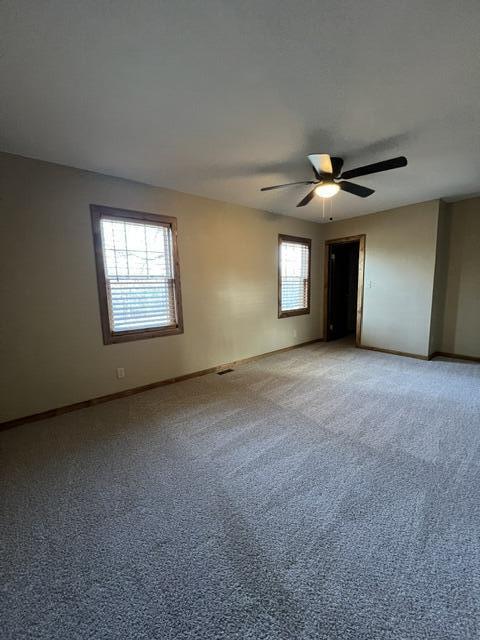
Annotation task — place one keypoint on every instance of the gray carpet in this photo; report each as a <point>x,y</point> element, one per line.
<point>322,493</point>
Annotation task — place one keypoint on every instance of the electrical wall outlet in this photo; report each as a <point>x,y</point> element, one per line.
<point>120,372</point>
<point>294,333</point>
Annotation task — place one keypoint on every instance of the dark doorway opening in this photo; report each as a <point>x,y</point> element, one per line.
<point>344,262</point>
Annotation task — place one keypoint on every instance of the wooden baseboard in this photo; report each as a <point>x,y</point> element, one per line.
<point>455,356</point>
<point>395,353</point>
<point>9,424</point>
<point>435,354</point>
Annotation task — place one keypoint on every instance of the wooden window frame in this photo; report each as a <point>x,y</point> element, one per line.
<point>298,240</point>
<point>98,212</point>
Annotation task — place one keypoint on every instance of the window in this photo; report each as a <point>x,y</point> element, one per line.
<point>293,276</point>
<point>138,274</point>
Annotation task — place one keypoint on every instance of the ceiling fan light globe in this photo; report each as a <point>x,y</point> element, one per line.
<point>327,190</point>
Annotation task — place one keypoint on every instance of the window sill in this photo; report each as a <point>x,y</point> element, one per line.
<point>294,312</point>
<point>146,334</point>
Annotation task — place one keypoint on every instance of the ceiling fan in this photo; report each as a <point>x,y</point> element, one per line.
<point>329,178</point>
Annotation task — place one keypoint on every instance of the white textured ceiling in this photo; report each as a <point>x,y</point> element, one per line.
<point>219,98</point>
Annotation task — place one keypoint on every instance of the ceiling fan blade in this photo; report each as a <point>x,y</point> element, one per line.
<point>288,184</point>
<point>376,167</point>
<point>337,164</point>
<point>356,189</point>
<point>307,198</point>
<point>321,164</point>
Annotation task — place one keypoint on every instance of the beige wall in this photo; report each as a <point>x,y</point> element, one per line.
<point>399,273</point>
<point>52,350</point>
<point>460,329</point>
<point>440,278</point>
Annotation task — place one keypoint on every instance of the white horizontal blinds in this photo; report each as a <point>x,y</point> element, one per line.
<point>294,261</point>
<point>139,274</point>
